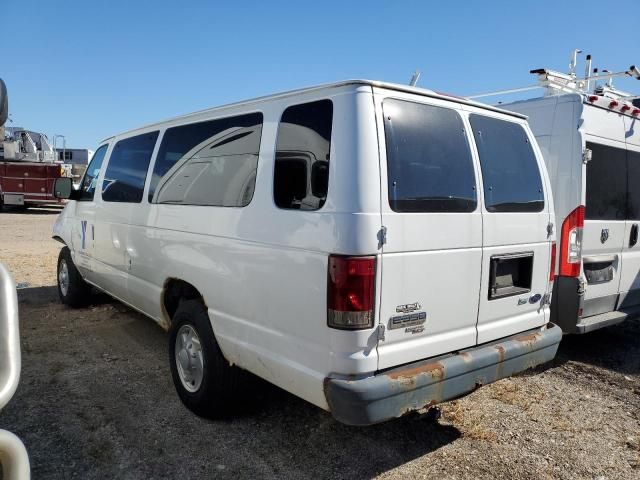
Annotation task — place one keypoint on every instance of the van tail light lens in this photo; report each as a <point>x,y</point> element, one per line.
<point>351,286</point>
<point>571,243</point>
<point>552,267</point>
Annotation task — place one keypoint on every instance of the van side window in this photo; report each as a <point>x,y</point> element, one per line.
<point>429,163</point>
<point>301,173</point>
<point>222,154</point>
<point>218,171</point>
<point>88,185</point>
<point>633,162</point>
<point>606,183</point>
<point>127,169</point>
<point>510,171</point>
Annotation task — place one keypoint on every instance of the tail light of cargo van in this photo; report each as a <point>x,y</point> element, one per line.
<point>571,243</point>
<point>351,283</point>
<point>552,267</point>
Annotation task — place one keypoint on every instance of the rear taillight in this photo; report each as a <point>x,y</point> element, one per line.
<point>351,283</point>
<point>571,243</point>
<point>552,267</point>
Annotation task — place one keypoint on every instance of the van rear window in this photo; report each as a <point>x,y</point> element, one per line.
<point>510,172</point>
<point>429,164</point>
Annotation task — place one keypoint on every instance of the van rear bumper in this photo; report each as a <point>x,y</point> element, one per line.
<point>392,393</point>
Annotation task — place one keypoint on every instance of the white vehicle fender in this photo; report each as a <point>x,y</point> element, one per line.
<point>62,226</point>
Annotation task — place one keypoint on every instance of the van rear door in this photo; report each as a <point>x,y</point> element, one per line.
<point>431,260</point>
<point>517,236</point>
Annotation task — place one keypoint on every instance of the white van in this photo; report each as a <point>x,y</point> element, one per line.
<point>591,144</point>
<point>372,248</point>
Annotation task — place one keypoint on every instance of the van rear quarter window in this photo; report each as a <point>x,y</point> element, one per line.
<point>210,153</point>
<point>510,172</point>
<point>606,183</point>
<point>301,172</point>
<point>429,164</point>
<point>127,168</point>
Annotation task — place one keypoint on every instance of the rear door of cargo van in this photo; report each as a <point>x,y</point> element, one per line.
<point>431,260</point>
<point>517,234</point>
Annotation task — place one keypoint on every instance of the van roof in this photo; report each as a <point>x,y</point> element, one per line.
<point>373,83</point>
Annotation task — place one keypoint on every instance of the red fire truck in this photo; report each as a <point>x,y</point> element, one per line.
<point>28,164</point>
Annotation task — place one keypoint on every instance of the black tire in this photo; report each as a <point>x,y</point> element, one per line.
<point>214,397</point>
<point>78,292</point>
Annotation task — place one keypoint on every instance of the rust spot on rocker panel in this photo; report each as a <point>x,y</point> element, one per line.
<point>500,350</point>
<point>436,370</point>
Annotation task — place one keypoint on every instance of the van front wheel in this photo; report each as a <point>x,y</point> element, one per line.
<point>203,378</point>
<point>72,289</point>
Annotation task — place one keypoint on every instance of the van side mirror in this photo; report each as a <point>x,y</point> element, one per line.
<point>63,188</point>
<point>320,178</point>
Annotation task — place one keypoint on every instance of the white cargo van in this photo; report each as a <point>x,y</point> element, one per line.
<point>371,248</point>
<point>591,145</point>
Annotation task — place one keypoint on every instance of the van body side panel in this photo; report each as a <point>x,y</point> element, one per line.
<point>604,230</point>
<point>430,265</point>
<point>630,276</point>
<point>262,270</point>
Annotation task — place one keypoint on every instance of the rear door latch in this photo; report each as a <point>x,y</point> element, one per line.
<point>381,329</point>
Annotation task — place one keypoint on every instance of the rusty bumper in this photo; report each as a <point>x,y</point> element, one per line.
<point>392,393</point>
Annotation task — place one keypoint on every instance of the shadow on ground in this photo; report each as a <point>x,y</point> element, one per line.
<point>46,210</point>
<point>615,348</point>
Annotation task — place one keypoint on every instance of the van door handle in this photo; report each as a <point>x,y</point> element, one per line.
<point>633,239</point>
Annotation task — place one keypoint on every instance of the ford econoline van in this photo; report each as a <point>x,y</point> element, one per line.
<point>371,248</point>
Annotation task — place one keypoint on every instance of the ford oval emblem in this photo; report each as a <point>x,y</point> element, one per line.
<point>535,298</point>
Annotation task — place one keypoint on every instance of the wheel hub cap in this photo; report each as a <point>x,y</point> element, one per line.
<point>63,277</point>
<point>189,360</point>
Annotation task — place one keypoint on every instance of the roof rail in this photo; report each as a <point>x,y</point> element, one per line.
<point>557,83</point>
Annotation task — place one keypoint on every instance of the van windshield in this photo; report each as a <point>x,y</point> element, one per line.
<point>429,164</point>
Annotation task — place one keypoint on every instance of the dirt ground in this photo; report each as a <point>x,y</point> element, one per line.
<point>96,401</point>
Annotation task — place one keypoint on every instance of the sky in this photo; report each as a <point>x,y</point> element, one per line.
<point>90,69</point>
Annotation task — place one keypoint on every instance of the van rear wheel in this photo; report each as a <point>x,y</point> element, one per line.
<point>204,380</point>
<point>72,289</point>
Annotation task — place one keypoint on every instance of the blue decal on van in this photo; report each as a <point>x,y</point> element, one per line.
<point>83,225</point>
